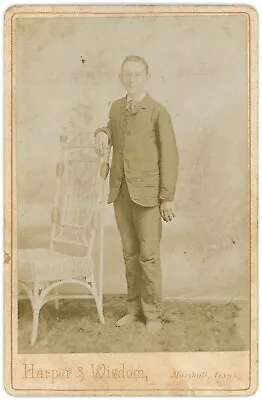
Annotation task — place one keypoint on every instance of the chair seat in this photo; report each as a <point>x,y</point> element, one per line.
<point>42,265</point>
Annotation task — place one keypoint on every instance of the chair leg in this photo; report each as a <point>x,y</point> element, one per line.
<point>56,300</point>
<point>98,300</point>
<point>100,310</point>
<point>36,310</point>
<point>99,306</point>
<point>35,325</point>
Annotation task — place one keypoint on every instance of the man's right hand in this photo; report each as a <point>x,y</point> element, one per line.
<point>101,143</point>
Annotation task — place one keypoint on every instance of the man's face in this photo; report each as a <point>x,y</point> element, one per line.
<point>134,77</point>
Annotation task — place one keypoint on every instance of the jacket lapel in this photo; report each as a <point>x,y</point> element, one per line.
<point>143,104</point>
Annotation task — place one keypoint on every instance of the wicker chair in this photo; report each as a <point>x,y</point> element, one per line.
<point>77,221</point>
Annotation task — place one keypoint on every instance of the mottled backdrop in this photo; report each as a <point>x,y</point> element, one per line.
<point>66,77</point>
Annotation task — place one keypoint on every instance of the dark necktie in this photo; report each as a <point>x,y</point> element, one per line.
<point>130,105</point>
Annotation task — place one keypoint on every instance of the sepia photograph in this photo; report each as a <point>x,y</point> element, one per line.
<point>131,187</point>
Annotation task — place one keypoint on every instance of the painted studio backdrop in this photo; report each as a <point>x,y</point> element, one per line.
<point>67,76</point>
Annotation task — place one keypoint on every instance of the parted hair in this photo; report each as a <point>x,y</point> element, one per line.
<point>138,59</point>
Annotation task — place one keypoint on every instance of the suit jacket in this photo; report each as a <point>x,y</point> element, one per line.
<point>144,151</point>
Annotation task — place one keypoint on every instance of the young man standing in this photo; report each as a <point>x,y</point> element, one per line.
<point>142,186</point>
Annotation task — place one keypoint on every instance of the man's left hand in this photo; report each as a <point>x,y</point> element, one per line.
<point>167,210</point>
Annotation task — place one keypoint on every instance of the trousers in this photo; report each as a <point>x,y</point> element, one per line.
<point>140,230</point>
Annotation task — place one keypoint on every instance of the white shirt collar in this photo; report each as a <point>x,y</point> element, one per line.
<point>140,98</point>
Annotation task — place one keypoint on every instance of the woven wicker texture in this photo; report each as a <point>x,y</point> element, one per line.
<point>78,193</point>
<point>76,217</point>
<point>42,265</point>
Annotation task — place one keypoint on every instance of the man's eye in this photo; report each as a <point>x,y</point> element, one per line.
<point>130,75</point>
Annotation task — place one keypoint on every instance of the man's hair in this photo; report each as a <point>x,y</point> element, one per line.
<point>137,59</point>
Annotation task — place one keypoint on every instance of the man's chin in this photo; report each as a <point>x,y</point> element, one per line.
<point>132,91</point>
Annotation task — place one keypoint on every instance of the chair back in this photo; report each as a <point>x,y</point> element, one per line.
<point>78,198</point>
